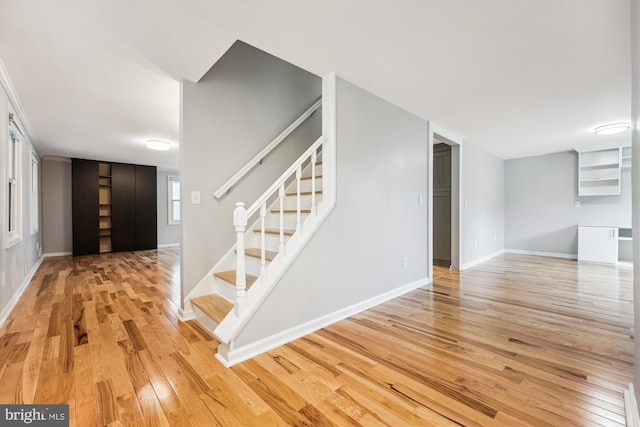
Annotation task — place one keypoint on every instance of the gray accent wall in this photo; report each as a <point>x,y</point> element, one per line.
<point>483,202</point>
<point>540,195</point>
<point>19,260</point>
<point>168,234</point>
<point>247,99</point>
<point>357,254</point>
<point>56,206</point>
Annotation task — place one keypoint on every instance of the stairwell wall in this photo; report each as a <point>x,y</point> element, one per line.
<point>245,100</point>
<point>357,254</point>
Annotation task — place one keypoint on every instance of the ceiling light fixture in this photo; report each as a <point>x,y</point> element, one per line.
<point>155,144</point>
<point>612,128</point>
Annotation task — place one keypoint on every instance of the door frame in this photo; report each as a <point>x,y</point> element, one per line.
<point>456,144</point>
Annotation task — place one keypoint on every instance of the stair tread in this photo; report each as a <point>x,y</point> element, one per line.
<point>308,178</point>
<point>230,277</point>
<point>255,253</point>
<point>304,193</point>
<point>291,211</point>
<point>275,231</point>
<point>214,306</point>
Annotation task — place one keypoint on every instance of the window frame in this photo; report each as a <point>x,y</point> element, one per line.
<point>13,227</point>
<point>35,191</point>
<point>171,199</point>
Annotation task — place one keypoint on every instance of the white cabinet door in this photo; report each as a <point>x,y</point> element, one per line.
<point>599,244</point>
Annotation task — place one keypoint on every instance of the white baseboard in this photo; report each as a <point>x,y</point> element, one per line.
<point>537,253</point>
<point>631,407</point>
<point>169,245</point>
<point>16,297</point>
<point>52,254</point>
<point>240,354</point>
<point>185,315</point>
<point>481,259</point>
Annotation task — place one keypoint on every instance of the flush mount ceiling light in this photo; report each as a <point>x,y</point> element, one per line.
<point>155,144</point>
<point>612,128</point>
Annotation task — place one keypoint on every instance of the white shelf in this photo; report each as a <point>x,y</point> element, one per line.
<point>599,172</point>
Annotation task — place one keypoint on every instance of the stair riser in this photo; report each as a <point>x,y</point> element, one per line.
<point>272,241</point>
<point>305,185</point>
<point>226,289</point>
<point>318,171</point>
<point>305,201</point>
<point>290,220</point>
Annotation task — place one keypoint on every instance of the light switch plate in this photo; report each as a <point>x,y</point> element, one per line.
<point>195,197</point>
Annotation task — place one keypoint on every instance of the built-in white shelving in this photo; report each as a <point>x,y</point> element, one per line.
<point>626,157</point>
<point>599,172</point>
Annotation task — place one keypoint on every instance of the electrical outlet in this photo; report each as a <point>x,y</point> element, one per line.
<point>577,204</point>
<point>420,200</point>
<point>475,243</point>
<point>24,269</point>
<point>2,280</point>
<point>404,263</point>
<point>495,237</point>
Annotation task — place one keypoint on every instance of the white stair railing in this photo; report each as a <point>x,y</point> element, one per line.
<point>258,158</point>
<point>242,216</point>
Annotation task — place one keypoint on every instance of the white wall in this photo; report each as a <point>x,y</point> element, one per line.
<point>635,135</point>
<point>57,238</point>
<point>540,193</point>
<point>358,252</point>
<point>482,204</point>
<point>18,261</point>
<point>245,100</point>
<point>168,234</point>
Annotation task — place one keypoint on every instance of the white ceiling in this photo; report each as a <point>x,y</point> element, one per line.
<point>518,78</point>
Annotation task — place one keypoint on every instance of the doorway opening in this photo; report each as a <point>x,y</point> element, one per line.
<point>445,218</point>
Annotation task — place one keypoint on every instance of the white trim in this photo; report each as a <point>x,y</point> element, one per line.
<point>240,354</point>
<point>7,84</point>
<point>537,253</point>
<point>170,170</point>
<point>34,198</point>
<point>54,254</point>
<point>481,259</point>
<point>16,297</point>
<point>631,407</point>
<point>186,314</point>
<point>14,166</point>
<point>169,245</point>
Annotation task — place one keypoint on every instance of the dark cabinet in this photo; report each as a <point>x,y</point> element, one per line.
<point>114,207</point>
<point>84,205</point>
<point>146,207</point>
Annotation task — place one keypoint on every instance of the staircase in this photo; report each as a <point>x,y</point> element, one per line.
<point>270,234</point>
<point>267,241</point>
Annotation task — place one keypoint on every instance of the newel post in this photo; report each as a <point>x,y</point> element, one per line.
<point>240,223</point>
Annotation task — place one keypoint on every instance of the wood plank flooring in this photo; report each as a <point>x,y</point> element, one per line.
<point>516,341</point>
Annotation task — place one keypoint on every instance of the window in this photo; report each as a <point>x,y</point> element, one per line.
<point>174,199</point>
<point>35,217</point>
<point>14,183</point>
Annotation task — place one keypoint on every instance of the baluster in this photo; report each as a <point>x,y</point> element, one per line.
<point>240,223</point>
<point>263,262</point>
<point>298,176</point>
<point>281,195</point>
<point>313,182</point>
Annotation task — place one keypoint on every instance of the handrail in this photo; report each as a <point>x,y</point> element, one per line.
<point>226,187</point>
<point>262,199</point>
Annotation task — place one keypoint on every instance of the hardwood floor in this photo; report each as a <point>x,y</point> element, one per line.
<point>518,340</point>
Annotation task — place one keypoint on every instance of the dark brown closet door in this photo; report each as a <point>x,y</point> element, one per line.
<point>123,207</point>
<point>146,208</point>
<point>84,207</point>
